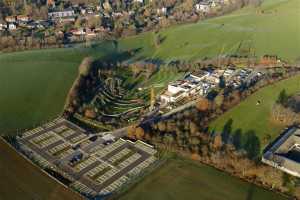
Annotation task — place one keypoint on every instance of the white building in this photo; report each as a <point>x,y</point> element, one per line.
<point>139,1</point>
<point>206,6</point>
<point>195,85</point>
<point>12,26</point>
<point>203,7</point>
<point>161,11</point>
<point>190,85</point>
<point>3,27</point>
<point>61,14</point>
<point>78,32</point>
<point>284,152</point>
<point>10,19</point>
<point>23,18</point>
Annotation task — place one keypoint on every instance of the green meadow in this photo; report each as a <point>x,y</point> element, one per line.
<point>185,179</point>
<point>34,84</point>
<point>273,28</point>
<point>248,115</point>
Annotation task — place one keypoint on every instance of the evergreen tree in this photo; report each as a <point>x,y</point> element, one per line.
<point>282,98</point>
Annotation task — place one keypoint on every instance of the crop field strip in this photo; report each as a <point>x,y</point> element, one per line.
<point>185,179</point>
<point>36,109</point>
<point>28,180</point>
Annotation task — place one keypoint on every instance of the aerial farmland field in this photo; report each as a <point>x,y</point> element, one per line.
<point>21,180</point>
<point>34,84</point>
<point>185,179</point>
<point>249,31</point>
<point>250,116</point>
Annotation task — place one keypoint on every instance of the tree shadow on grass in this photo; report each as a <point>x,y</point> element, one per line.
<point>250,193</point>
<point>247,141</point>
<point>226,132</point>
<point>252,145</point>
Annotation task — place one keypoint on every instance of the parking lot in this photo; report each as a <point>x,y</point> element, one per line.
<point>96,165</point>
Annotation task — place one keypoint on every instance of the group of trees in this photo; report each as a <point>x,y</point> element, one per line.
<point>107,81</point>
<point>235,151</point>
<point>37,9</point>
<point>132,17</point>
<point>147,69</point>
<point>189,131</point>
<point>83,87</point>
<point>285,110</point>
<point>135,132</point>
<point>18,42</point>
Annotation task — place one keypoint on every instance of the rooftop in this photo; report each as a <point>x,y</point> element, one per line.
<point>284,152</point>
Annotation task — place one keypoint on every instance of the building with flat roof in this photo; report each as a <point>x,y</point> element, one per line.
<point>203,81</point>
<point>180,89</point>
<point>62,14</point>
<point>284,152</point>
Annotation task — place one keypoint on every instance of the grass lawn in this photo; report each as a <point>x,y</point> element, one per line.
<point>247,31</point>
<point>21,180</point>
<point>184,179</point>
<point>34,84</point>
<point>249,116</point>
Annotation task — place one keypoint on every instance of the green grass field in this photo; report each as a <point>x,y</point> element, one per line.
<point>249,116</point>
<point>247,31</point>
<point>34,84</point>
<point>184,179</point>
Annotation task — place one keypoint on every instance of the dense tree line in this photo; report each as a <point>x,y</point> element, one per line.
<point>117,18</point>
<point>235,151</point>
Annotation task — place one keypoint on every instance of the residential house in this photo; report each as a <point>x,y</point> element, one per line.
<point>204,7</point>
<point>106,6</point>
<point>78,32</point>
<point>162,11</point>
<point>51,3</point>
<point>83,11</point>
<point>117,14</point>
<point>90,10</point>
<point>23,18</point>
<point>2,27</point>
<point>66,19</point>
<point>10,19</point>
<point>12,26</point>
<point>62,14</point>
<point>213,4</point>
<point>90,34</point>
